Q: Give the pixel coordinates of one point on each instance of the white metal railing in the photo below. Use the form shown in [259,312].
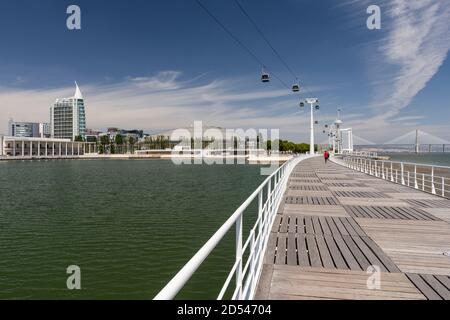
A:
[428,178]
[246,273]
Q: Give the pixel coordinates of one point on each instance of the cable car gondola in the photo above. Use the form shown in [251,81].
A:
[317,107]
[295,87]
[265,77]
[302,104]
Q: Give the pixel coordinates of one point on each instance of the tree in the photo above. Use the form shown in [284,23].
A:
[104,141]
[288,146]
[79,138]
[118,140]
[131,141]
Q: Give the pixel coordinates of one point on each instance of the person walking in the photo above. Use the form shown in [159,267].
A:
[326,156]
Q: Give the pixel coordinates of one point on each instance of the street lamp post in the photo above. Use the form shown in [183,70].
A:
[338,138]
[312,102]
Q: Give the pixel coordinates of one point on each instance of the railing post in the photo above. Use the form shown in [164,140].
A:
[396,175]
[416,185]
[252,263]
[269,195]
[239,256]
[382,170]
[392,173]
[260,215]
[407,172]
[433,188]
[375,167]
[443,186]
[423,181]
[402,173]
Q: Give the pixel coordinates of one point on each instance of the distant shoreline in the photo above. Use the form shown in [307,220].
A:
[248,159]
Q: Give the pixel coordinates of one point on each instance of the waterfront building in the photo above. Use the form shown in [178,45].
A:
[112,133]
[68,118]
[44,130]
[135,134]
[214,140]
[92,135]
[26,147]
[28,129]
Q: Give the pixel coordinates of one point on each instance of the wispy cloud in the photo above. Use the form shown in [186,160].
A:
[414,45]
[165,101]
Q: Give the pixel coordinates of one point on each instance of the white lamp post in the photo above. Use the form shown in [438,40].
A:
[312,102]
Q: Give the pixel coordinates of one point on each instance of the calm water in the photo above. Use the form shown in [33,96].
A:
[442,159]
[129,225]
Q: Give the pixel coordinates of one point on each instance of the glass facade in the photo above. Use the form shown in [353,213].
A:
[68,119]
[23,129]
[81,117]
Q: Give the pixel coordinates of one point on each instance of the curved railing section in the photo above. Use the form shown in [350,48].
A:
[249,254]
[428,178]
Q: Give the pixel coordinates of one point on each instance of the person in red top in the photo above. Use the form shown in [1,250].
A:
[326,156]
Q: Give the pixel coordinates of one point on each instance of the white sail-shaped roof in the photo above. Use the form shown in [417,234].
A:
[78,94]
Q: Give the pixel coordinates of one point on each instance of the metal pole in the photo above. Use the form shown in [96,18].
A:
[416,186]
[311,147]
[239,256]
[402,173]
[376,169]
[433,188]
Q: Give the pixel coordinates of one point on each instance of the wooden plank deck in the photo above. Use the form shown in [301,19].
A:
[336,224]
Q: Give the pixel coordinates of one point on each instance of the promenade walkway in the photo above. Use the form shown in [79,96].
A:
[335,223]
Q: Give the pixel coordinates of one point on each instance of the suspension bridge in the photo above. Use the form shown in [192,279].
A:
[419,140]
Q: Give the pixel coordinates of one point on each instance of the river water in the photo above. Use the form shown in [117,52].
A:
[442,159]
[130,225]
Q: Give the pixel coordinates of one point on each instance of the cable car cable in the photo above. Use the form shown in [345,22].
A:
[265,38]
[239,42]
[255,25]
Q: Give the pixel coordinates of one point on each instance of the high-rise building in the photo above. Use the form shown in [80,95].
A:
[28,129]
[68,118]
[44,130]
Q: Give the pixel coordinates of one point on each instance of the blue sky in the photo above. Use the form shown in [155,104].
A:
[160,64]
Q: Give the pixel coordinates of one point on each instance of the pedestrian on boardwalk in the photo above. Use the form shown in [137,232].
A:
[326,156]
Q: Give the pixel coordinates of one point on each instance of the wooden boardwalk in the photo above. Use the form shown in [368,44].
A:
[336,223]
